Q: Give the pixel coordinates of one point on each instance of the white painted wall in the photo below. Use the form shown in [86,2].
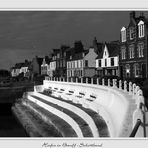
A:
[115,104]
[74,109]
[64,116]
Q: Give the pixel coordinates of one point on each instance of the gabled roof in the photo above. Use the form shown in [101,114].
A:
[113,49]
[18,65]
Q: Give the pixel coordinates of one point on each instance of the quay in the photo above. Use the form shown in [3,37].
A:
[71,108]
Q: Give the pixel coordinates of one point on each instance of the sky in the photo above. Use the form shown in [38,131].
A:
[25,34]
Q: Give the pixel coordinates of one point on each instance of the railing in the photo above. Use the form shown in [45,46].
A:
[135,129]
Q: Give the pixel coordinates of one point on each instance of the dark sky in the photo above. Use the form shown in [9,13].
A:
[24,34]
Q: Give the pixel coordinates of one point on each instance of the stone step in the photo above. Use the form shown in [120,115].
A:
[100,123]
[34,126]
[82,124]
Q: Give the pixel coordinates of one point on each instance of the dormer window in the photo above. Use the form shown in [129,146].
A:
[131,33]
[123,34]
[141,29]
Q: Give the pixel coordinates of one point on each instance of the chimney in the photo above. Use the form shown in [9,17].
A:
[132,14]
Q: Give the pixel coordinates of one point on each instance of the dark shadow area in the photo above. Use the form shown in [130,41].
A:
[9,126]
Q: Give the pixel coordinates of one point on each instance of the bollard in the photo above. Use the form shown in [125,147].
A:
[134,89]
[76,80]
[60,79]
[97,81]
[103,82]
[81,80]
[120,84]
[113,82]
[87,80]
[108,82]
[125,86]
[92,81]
[130,88]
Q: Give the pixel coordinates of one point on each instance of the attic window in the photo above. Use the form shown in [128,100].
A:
[141,29]
[123,34]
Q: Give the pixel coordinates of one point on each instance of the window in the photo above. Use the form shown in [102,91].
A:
[123,53]
[136,70]
[86,63]
[140,50]
[127,70]
[141,29]
[99,63]
[131,33]
[58,55]
[81,63]
[105,62]
[73,64]
[76,64]
[112,61]
[131,52]
[123,34]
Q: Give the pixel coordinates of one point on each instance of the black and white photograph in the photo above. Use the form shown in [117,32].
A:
[73,74]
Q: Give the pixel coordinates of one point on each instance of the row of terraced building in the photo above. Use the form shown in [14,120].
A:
[126,58]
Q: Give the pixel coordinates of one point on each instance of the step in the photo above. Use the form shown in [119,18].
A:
[82,124]
[100,123]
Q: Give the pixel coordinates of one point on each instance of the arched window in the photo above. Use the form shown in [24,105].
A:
[141,29]
[127,70]
[123,34]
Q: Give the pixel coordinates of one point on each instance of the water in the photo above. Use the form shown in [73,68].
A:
[9,126]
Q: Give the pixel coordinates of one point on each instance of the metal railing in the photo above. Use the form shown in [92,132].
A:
[135,129]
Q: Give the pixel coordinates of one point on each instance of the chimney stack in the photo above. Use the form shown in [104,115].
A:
[132,14]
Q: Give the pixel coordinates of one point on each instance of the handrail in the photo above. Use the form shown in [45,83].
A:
[135,129]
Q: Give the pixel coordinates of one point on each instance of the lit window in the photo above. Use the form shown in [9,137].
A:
[123,34]
[140,50]
[141,29]
[127,70]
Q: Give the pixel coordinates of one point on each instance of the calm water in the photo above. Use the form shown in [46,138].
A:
[9,126]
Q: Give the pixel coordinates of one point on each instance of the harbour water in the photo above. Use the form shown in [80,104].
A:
[9,126]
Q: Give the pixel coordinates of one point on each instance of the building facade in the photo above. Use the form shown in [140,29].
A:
[82,64]
[133,48]
[107,62]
